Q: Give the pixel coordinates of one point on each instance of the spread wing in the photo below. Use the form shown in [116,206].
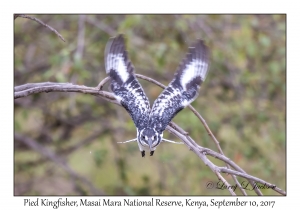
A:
[183,89]
[127,89]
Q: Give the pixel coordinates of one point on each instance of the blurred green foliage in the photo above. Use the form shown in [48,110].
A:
[243,100]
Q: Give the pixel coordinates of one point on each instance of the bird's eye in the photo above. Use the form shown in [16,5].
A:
[154,137]
[143,137]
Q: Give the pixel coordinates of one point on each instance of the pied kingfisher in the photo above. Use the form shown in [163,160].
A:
[182,90]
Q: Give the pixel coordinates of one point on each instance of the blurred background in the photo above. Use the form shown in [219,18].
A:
[243,101]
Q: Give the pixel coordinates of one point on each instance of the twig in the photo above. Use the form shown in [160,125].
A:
[102,83]
[201,152]
[206,127]
[226,183]
[40,22]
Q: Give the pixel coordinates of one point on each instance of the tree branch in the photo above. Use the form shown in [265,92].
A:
[201,152]
[40,22]
[226,183]
[207,129]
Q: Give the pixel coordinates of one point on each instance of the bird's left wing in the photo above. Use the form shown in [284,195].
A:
[183,89]
[127,89]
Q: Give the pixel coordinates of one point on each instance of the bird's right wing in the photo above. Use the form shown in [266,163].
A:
[127,89]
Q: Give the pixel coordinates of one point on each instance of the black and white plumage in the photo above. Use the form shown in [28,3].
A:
[182,90]
[125,86]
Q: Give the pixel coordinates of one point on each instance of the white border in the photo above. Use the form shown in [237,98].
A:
[8,201]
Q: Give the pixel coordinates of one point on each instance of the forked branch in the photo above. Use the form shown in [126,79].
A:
[201,152]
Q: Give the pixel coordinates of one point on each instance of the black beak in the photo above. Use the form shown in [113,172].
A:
[150,145]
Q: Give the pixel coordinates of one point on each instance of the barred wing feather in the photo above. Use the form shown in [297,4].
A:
[127,89]
[183,89]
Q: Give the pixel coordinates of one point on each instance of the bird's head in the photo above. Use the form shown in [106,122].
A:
[149,138]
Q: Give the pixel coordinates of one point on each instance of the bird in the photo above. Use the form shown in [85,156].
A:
[182,90]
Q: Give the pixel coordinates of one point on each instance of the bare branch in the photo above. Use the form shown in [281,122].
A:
[40,22]
[239,184]
[206,127]
[102,83]
[201,152]
[32,85]
[32,88]
[226,183]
